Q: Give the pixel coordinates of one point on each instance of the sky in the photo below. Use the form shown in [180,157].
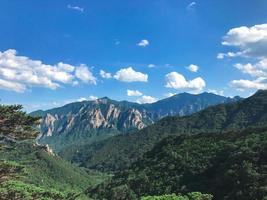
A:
[57,52]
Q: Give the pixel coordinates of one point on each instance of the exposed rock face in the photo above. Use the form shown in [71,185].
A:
[96,115]
[105,116]
[49,121]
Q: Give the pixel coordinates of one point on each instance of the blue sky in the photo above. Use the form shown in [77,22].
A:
[52,52]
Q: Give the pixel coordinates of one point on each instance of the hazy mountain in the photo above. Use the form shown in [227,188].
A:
[119,152]
[89,121]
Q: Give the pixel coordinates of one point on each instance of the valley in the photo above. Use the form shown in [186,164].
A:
[208,152]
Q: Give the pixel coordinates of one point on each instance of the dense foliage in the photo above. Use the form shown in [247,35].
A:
[229,166]
[119,152]
[15,124]
[29,171]
[189,196]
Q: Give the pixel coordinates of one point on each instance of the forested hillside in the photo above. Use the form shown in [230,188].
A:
[229,166]
[89,121]
[119,152]
[29,171]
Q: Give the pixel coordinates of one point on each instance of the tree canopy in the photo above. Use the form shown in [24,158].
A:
[16,124]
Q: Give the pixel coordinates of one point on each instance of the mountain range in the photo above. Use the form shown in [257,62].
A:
[90,121]
[216,153]
[119,152]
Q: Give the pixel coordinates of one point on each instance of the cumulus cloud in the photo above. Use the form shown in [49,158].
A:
[193,68]
[104,74]
[257,70]
[8,85]
[76,8]
[146,99]
[130,75]
[259,83]
[251,41]
[83,73]
[18,73]
[135,93]
[253,70]
[177,81]
[143,43]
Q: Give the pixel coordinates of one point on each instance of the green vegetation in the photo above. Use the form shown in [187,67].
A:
[70,126]
[189,196]
[29,171]
[121,151]
[15,125]
[220,152]
[50,171]
[20,190]
[229,166]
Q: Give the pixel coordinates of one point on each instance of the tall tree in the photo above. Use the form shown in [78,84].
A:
[16,125]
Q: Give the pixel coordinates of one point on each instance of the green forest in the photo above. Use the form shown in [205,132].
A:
[218,153]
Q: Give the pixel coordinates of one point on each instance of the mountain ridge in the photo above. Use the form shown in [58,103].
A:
[104,117]
[119,152]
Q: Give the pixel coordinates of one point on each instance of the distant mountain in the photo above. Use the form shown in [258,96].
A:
[229,166]
[90,121]
[119,152]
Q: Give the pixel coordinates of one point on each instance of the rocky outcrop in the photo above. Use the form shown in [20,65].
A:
[106,116]
[97,115]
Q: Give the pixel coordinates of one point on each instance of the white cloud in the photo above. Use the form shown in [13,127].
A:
[252,41]
[253,70]
[170,94]
[130,75]
[230,54]
[135,93]
[8,85]
[191,6]
[143,43]
[82,99]
[151,66]
[104,74]
[193,68]
[83,73]
[19,73]
[146,99]
[259,83]
[218,92]
[86,99]
[258,70]
[77,8]
[177,81]
[92,97]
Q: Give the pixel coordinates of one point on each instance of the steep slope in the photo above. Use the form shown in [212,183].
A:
[119,152]
[229,166]
[43,173]
[90,121]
